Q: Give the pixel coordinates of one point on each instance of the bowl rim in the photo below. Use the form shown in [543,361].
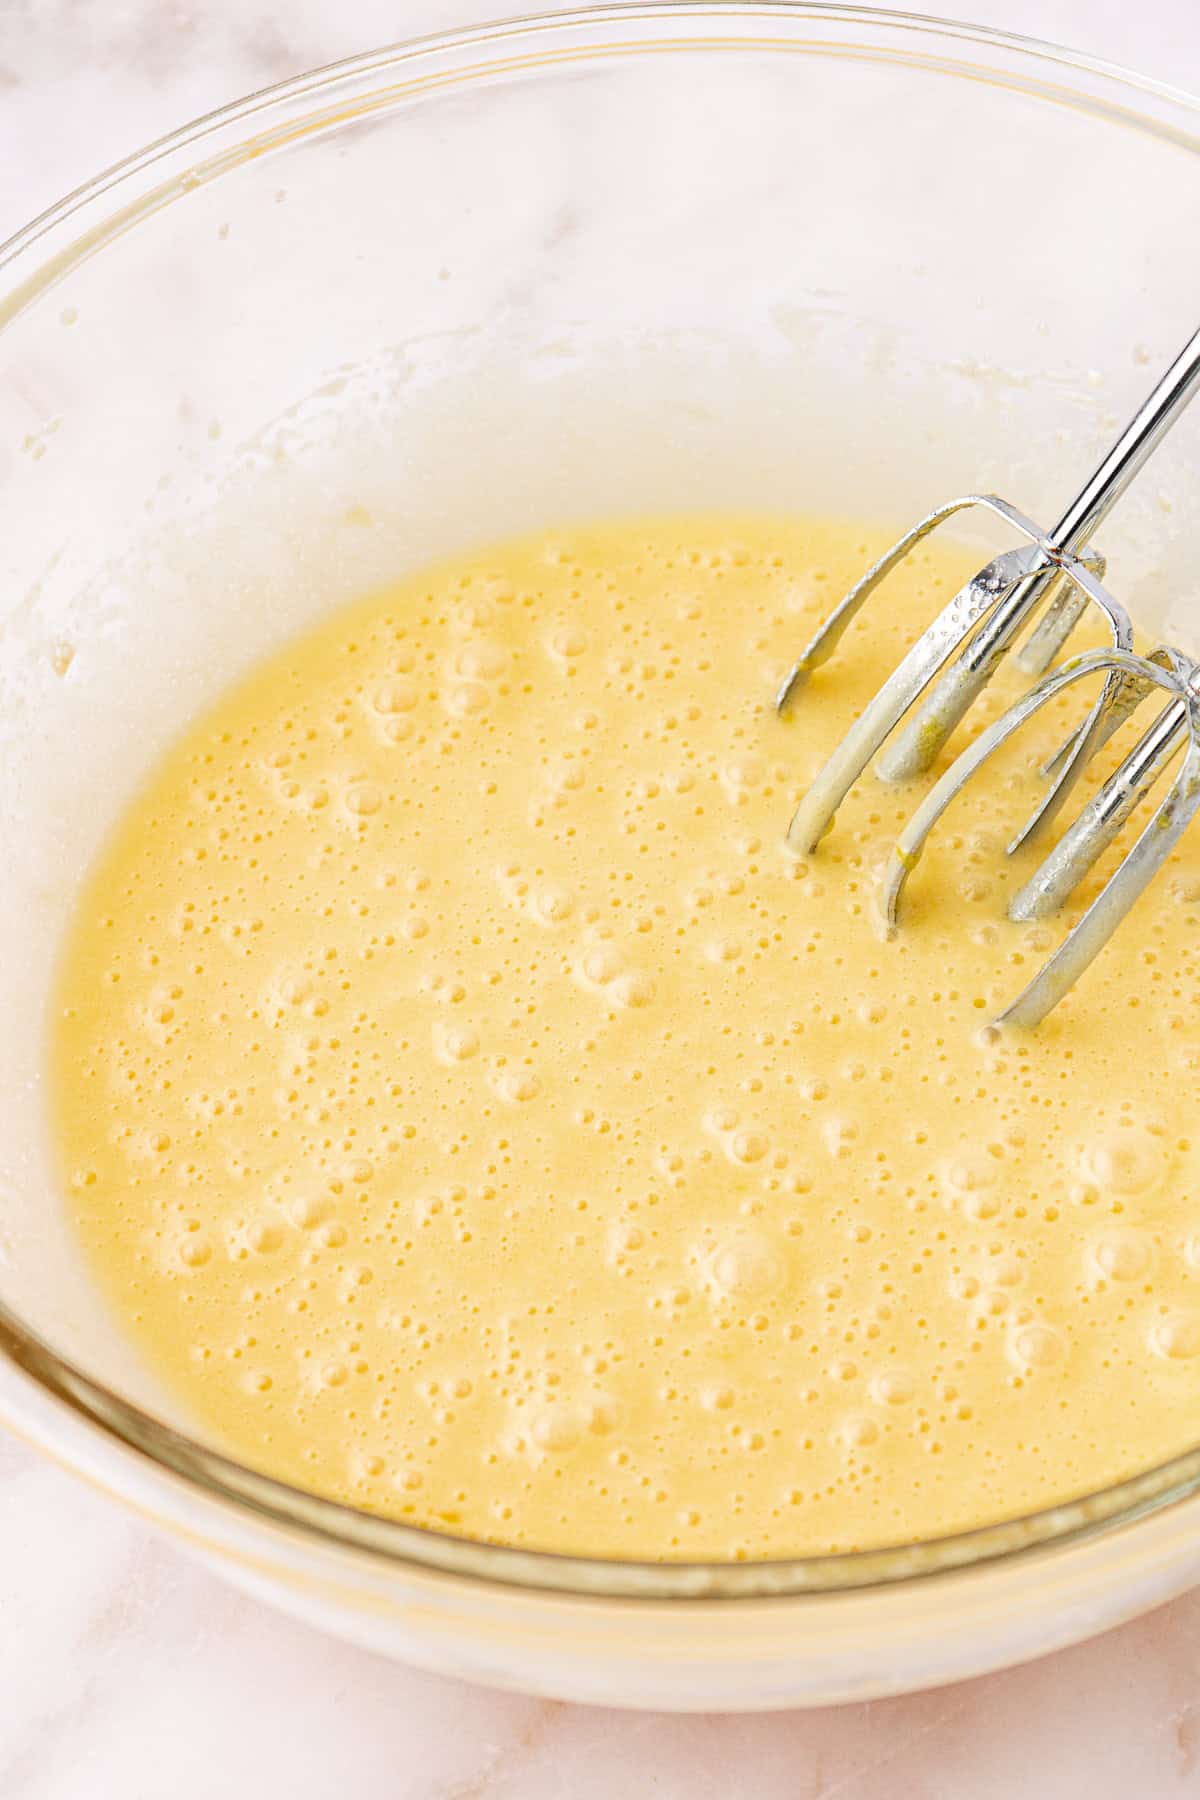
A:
[61,237]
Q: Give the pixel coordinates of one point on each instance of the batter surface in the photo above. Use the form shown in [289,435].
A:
[476,1115]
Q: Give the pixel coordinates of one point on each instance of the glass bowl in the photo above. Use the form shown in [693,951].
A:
[629,259]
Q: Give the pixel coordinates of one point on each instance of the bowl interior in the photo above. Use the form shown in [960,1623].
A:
[662,260]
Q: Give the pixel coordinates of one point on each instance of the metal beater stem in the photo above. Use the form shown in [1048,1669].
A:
[958,688]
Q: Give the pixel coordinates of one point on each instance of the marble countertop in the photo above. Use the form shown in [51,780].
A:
[145,1676]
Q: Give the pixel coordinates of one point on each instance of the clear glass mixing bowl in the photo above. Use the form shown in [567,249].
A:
[632,258]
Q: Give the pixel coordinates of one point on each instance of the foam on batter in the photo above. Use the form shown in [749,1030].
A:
[475,1114]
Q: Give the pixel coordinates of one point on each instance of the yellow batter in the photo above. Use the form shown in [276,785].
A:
[476,1115]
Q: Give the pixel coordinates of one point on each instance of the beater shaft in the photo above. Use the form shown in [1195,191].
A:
[923,737]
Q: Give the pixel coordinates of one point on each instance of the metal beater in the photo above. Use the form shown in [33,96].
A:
[971,635]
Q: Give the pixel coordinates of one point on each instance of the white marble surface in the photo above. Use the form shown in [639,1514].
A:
[126,1672]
